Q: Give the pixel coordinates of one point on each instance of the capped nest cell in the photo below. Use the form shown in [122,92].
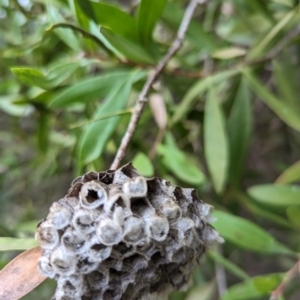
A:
[118,235]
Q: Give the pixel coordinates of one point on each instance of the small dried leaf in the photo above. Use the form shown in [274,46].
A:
[159,111]
[21,275]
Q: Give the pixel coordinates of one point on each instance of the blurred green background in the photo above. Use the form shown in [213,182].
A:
[224,118]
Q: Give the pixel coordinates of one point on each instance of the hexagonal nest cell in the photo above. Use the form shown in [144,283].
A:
[118,235]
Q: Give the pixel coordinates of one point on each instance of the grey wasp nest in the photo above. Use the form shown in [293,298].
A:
[118,235]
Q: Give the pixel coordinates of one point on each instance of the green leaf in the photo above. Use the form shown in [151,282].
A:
[247,235]
[66,35]
[149,13]
[111,17]
[178,163]
[226,263]
[10,244]
[95,136]
[130,49]
[143,164]
[55,76]
[239,131]
[197,90]
[293,214]
[253,288]
[31,77]
[256,209]
[286,82]
[285,112]
[291,174]
[273,194]
[215,142]
[88,90]
[260,48]
[229,53]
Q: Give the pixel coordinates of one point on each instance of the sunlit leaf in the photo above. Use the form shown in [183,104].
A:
[149,12]
[21,275]
[53,78]
[178,163]
[31,77]
[247,235]
[282,109]
[276,194]
[215,142]
[197,90]
[253,288]
[143,164]
[239,130]
[111,17]
[8,243]
[229,53]
[291,174]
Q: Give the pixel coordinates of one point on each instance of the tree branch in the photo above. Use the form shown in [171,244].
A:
[153,75]
[289,275]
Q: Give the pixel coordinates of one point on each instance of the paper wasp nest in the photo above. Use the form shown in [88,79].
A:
[118,235]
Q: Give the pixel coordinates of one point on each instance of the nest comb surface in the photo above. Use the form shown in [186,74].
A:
[118,235]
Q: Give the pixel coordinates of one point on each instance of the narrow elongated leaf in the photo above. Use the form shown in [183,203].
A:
[229,53]
[178,163]
[66,35]
[291,174]
[149,13]
[9,244]
[130,49]
[286,82]
[88,90]
[260,48]
[142,163]
[239,130]
[21,275]
[31,76]
[253,288]
[226,263]
[96,135]
[55,76]
[293,214]
[215,142]
[276,194]
[111,17]
[285,112]
[247,235]
[197,90]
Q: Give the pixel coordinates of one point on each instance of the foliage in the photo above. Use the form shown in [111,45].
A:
[233,110]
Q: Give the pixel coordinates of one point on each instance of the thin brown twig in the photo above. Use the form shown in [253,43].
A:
[153,75]
[289,275]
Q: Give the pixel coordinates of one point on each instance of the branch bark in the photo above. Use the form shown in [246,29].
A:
[153,75]
[288,277]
